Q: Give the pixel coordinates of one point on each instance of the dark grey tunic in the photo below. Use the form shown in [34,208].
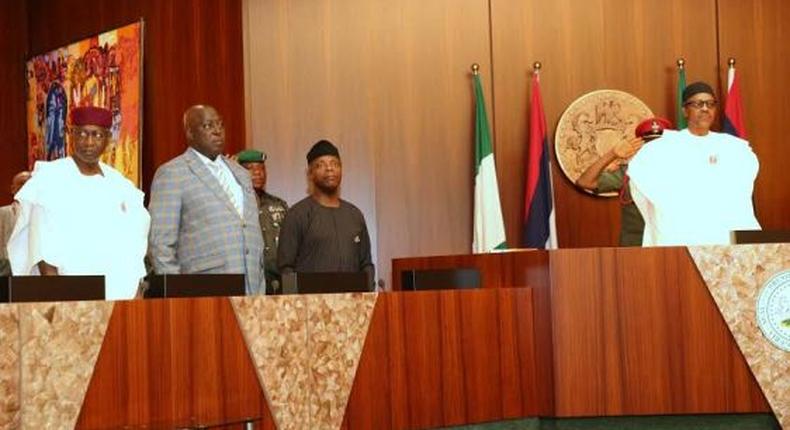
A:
[315,238]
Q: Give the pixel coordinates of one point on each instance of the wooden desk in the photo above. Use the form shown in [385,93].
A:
[632,331]
[571,333]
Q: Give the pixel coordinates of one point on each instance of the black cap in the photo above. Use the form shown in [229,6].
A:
[696,88]
[321,148]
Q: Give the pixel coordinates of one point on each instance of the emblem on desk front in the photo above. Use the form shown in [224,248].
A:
[773,310]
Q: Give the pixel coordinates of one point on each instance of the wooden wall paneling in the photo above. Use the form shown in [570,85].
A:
[389,82]
[424,164]
[172,361]
[756,35]
[193,54]
[311,72]
[13,50]
[652,337]
[586,46]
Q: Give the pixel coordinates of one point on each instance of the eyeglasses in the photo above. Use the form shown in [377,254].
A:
[83,134]
[699,104]
[213,124]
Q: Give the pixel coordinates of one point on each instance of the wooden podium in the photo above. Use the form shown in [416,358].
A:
[617,331]
[568,333]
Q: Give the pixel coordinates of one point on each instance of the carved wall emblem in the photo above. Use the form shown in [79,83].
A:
[592,125]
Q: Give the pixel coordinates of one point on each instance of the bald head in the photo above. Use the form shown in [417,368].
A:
[204,130]
[19,180]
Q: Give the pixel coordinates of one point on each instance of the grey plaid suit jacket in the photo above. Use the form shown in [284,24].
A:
[195,227]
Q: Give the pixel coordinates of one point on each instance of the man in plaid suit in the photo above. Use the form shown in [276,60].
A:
[204,216]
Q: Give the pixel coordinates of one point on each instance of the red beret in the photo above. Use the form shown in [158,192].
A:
[91,115]
[652,128]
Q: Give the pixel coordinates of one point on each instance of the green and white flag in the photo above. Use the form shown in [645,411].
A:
[489,228]
[680,118]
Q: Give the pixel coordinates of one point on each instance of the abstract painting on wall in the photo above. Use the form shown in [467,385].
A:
[105,71]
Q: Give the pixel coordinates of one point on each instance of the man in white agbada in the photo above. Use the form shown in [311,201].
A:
[694,186]
[79,216]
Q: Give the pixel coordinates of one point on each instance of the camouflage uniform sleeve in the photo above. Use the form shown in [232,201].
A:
[610,181]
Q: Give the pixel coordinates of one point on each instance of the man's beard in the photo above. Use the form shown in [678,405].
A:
[326,189]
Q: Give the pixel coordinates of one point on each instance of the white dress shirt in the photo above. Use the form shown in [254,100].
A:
[226,180]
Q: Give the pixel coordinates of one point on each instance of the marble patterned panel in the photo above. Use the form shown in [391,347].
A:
[306,350]
[59,346]
[275,330]
[735,275]
[9,367]
[337,327]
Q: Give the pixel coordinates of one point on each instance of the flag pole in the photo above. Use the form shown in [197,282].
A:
[488,233]
[539,229]
[733,121]
[680,120]
[730,73]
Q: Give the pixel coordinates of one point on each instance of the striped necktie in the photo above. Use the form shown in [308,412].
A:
[225,184]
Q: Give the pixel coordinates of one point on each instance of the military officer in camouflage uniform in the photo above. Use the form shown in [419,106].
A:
[600,178]
[271,210]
